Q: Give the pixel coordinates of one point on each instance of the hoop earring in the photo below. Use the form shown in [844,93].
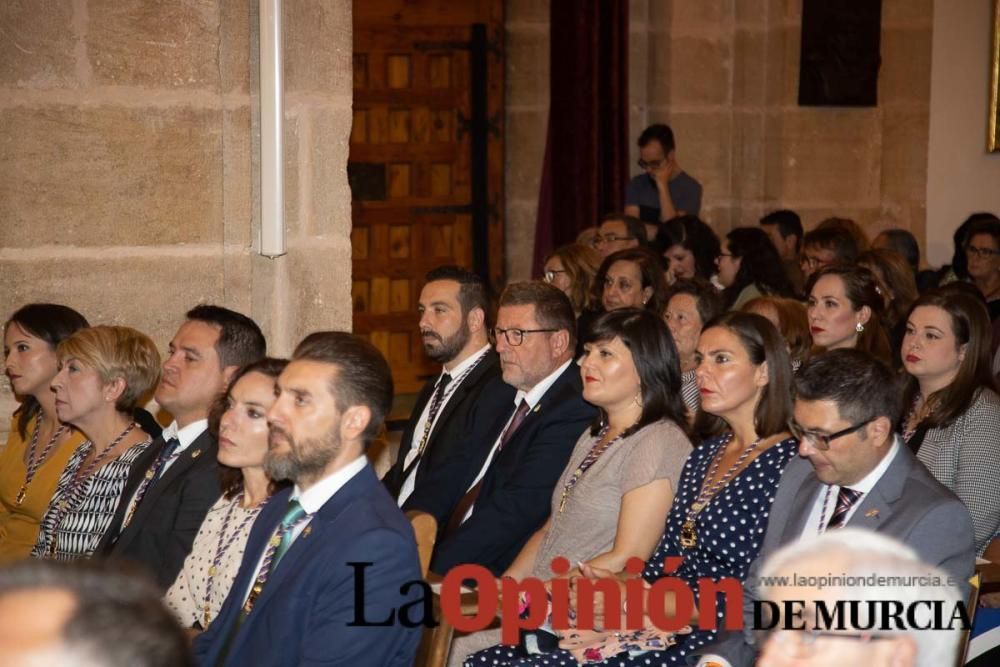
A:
[860,328]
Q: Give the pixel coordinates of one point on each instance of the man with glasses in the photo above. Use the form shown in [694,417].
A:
[664,190]
[618,232]
[507,497]
[825,246]
[853,471]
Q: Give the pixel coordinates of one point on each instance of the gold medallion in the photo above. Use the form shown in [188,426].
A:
[21,494]
[275,541]
[689,537]
[212,571]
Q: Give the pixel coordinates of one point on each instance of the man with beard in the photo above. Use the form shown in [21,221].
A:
[466,395]
[327,562]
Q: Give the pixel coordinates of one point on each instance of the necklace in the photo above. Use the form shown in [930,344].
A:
[223,546]
[689,536]
[77,481]
[34,463]
[595,453]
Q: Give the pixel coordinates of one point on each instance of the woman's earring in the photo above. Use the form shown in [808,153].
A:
[637,399]
[860,328]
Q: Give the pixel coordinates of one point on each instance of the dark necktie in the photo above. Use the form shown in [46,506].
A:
[469,499]
[846,499]
[436,400]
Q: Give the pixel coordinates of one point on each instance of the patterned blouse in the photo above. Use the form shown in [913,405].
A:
[227,525]
[91,510]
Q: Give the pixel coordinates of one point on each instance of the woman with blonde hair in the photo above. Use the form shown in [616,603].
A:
[104,371]
[572,268]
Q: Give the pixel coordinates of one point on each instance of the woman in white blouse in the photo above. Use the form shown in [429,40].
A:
[209,570]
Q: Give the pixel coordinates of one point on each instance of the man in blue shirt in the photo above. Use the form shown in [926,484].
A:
[664,191]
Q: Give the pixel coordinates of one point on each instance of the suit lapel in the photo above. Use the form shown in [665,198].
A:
[203,445]
[876,506]
[802,505]
[463,389]
[142,463]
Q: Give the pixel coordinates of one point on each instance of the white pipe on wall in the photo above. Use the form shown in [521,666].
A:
[272,163]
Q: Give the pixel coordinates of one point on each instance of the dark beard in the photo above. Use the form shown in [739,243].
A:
[449,347]
[304,460]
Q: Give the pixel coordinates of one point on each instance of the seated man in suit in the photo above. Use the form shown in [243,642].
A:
[177,480]
[517,466]
[453,324]
[333,550]
[853,471]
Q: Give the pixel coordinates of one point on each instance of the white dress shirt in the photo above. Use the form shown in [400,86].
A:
[532,397]
[457,378]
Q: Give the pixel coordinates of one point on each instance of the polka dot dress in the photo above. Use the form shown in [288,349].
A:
[730,531]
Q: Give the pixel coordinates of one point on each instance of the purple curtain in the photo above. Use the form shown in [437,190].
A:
[586,150]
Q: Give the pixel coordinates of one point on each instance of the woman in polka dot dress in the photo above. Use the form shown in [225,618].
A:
[720,512]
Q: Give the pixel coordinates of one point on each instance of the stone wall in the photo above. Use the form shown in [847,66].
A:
[128,174]
[724,75]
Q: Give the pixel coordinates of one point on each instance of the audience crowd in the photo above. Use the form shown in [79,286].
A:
[719,408]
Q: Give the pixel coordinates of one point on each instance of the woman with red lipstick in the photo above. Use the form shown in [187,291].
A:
[104,371]
[845,311]
[240,420]
[613,497]
[38,446]
[953,422]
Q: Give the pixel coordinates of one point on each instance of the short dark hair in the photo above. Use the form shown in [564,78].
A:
[692,233]
[650,268]
[707,299]
[553,309]
[231,479]
[763,344]
[119,619]
[760,264]
[240,339]
[838,240]
[362,378]
[654,355]
[788,223]
[959,263]
[862,386]
[658,132]
[53,323]
[905,243]
[636,227]
[984,226]
[472,290]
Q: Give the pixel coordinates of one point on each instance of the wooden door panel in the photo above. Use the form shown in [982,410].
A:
[410,164]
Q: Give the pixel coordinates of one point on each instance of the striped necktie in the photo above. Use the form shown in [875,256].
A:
[846,499]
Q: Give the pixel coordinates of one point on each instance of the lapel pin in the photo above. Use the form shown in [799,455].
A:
[871,513]
[195,453]
[537,408]
[308,529]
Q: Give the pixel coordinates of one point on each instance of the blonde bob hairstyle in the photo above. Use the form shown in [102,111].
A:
[116,352]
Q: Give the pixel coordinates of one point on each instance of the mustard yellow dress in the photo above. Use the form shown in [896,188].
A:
[19,523]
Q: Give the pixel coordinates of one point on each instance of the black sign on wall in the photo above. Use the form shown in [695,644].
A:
[840,53]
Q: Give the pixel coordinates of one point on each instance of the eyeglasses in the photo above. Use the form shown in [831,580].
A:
[610,238]
[550,274]
[801,643]
[810,261]
[651,164]
[981,253]
[514,336]
[821,441]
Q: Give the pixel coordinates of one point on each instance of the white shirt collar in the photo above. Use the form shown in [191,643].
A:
[185,436]
[868,482]
[466,363]
[536,393]
[319,493]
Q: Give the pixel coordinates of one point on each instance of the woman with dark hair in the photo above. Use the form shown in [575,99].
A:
[38,446]
[958,270]
[691,302]
[613,497]
[905,243]
[953,420]
[720,512]
[240,420]
[982,256]
[689,246]
[631,278]
[791,320]
[845,310]
[898,287]
[750,267]
[104,372]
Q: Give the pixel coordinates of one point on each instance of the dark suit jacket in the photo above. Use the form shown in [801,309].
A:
[907,503]
[516,493]
[170,514]
[303,614]
[468,407]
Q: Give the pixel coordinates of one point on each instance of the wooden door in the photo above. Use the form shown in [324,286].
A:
[423,194]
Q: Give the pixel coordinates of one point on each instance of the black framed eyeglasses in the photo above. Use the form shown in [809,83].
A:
[649,164]
[514,337]
[821,441]
[550,274]
[981,253]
